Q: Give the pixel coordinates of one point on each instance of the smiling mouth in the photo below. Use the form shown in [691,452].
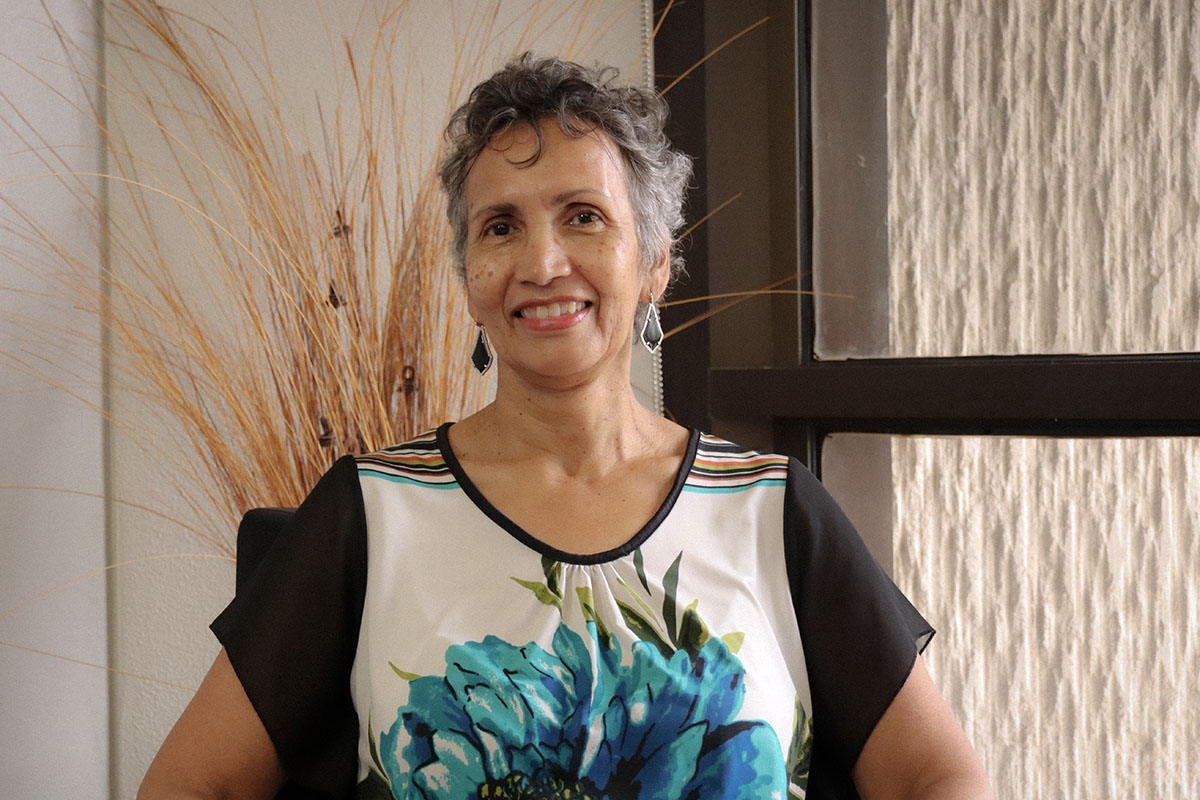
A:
[552,310]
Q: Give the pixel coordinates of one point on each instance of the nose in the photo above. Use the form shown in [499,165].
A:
[544,256]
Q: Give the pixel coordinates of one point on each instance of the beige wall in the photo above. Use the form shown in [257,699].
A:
[53,711]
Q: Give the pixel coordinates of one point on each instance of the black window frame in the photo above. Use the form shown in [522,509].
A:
[1154,394]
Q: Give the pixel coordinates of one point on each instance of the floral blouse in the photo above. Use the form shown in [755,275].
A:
[405,639]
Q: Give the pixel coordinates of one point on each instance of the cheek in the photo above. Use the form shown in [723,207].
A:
[615,256]
[480,276]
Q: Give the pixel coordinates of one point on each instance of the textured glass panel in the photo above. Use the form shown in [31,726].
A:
[1062,576]
[1042,181]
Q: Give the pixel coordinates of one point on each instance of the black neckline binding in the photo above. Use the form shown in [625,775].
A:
[549,551]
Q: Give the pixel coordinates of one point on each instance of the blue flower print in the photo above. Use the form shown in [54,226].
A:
[510,721]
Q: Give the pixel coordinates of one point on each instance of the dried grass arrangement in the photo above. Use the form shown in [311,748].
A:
[330,321]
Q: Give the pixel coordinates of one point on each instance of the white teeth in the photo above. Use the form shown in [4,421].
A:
[552,310]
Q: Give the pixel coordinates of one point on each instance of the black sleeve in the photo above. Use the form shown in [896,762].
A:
[861,635]
[292,631]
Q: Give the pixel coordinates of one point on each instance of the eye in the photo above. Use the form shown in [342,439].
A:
[498,228]
[585,217]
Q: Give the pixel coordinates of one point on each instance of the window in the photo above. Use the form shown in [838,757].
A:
[1000,381]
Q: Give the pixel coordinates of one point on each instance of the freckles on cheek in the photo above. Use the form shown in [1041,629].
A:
[480,274]
[602,250]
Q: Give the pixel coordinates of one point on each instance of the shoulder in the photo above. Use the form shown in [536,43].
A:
[722,465]
[421,445]
[421,459]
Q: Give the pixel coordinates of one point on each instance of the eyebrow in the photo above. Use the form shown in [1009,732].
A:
[504,209]
[565,197]
[501,209]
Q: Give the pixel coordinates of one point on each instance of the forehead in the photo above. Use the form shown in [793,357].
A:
[504,170]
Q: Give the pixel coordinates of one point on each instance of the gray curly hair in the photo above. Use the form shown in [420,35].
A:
[529,90]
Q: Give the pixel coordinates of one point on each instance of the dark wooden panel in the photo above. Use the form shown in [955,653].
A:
[680,44]
[1048,395]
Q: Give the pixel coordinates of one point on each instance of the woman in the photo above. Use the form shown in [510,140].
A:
[565,595]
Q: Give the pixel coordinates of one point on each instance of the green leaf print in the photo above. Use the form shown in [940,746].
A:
[542,592]
[376,785]
[799,755]
[588,603]
[639,563]
[645,630]
[670,586]
[668,635]
[693,633]
[647,612]
[734,641]
[553,572]
[375,762]
[408,676]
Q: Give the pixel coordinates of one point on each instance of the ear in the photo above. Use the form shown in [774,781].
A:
[659,276]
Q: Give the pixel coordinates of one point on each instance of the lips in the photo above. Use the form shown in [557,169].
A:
[548,310]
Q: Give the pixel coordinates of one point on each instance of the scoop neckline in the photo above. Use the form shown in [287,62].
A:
[549,551]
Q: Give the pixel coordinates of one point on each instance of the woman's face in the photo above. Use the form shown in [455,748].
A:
[553,265]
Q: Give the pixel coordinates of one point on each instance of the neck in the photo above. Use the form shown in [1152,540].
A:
[592,426]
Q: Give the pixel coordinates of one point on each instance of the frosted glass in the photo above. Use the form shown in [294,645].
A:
[1062,576]
[1042,183]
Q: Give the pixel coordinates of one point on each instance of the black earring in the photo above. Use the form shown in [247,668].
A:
[481,356]
[652,333]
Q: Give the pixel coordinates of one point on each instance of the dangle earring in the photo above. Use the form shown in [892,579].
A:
[481,356]
[652,333]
